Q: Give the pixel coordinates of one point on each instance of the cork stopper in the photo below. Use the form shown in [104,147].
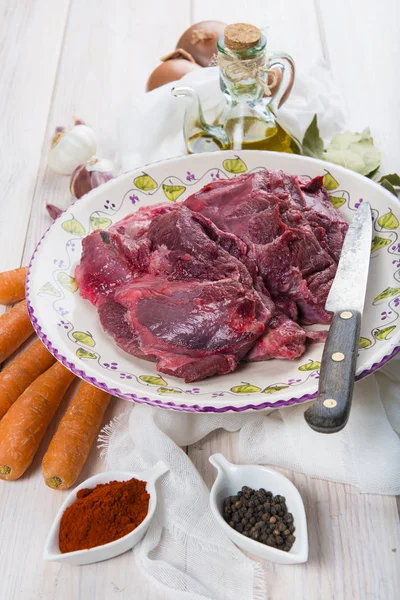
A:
[241,36]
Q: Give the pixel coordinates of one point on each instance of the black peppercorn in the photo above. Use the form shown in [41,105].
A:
[261,516]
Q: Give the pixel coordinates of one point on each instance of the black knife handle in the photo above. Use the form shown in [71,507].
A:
[330,412]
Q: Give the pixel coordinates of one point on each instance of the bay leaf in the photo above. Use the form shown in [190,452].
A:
[313,144]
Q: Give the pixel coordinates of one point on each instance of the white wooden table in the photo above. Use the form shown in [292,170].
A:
[89,57]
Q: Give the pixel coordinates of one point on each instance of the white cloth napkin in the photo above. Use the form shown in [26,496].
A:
[184,551]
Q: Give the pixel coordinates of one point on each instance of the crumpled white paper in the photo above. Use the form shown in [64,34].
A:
[184,551]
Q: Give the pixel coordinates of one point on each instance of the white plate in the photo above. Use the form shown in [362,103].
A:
[70,328]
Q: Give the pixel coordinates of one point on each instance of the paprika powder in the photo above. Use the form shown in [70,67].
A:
[103,514]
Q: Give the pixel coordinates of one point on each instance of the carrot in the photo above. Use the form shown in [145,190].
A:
[12,285]
[15,328]
[74,437]
[24,425]
[21,372]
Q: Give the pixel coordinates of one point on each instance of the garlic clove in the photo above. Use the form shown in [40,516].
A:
[100,177]
[102,165]
[90,175]
[80,183]
[54,211]
[71,147]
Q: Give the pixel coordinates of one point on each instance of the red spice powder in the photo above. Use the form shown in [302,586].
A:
[103,514]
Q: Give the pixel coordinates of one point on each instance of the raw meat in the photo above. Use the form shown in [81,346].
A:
[231,274]
[291,234]
[180,321]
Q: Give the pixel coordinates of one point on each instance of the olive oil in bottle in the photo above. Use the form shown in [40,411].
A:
[247,121]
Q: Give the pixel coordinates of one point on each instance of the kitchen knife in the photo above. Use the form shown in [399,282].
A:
[330,412]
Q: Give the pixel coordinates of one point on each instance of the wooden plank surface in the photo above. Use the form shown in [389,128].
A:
[89,58]
[32,35]
[345,531]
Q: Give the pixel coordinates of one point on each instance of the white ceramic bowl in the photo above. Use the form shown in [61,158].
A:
[231,478]
[106,551]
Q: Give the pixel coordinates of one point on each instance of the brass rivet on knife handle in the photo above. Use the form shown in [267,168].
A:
[346,314]
[337,356]
[330,403]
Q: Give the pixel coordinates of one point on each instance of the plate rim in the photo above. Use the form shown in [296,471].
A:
[194,408]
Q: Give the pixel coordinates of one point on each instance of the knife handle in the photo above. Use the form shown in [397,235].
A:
[330,412]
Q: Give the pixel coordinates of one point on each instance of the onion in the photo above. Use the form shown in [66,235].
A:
[277,83]
[175,65]
[200,40]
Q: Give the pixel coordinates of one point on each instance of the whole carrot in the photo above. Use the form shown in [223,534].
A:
[16,377]
[24,425]
[15,328]
[12,285]
[70,446]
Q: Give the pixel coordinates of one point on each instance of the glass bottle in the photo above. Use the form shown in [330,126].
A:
[248,120]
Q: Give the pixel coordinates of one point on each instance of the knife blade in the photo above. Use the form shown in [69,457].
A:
[330,412]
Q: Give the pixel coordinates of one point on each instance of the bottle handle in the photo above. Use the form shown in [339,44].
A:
[283,61]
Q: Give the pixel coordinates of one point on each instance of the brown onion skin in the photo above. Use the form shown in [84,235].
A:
[203,51]
[168,71]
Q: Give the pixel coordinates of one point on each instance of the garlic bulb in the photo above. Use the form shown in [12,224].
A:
[71,147]
[90,175]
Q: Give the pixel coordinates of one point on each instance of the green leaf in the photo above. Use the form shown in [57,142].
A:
[49,289]
[73,226]
[388,221]
[82,353]
[392,178]
[173,191]
[364,343]
[356,151]
[382,334]
[330,183]
[246,388]
[313,365]
[167,391]
[337,201]
[271,389]
[145,182]
[234,165]
[84,338]
[374,175]
[378,243]
[67,282]
[313,144]
[388,186]
[152,380]
[99,222]
[387,293]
